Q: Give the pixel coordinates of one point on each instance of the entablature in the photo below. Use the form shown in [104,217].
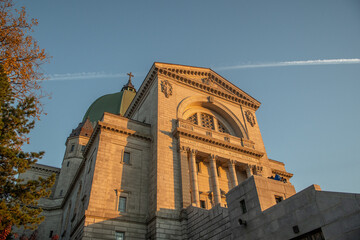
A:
[210,140]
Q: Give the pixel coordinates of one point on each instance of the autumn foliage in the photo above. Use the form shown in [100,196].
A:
[20,54]
[18,198]
[20,59]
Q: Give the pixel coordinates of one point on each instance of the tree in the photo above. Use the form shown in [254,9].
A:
[20,54]
[18,198]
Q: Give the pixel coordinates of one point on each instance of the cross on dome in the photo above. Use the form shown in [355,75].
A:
[129,85]
[130,75]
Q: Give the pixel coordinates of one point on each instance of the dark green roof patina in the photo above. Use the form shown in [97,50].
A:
[116,103]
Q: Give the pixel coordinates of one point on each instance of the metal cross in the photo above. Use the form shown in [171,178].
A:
[130,75]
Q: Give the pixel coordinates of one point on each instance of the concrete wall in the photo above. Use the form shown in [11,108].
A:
[337,215]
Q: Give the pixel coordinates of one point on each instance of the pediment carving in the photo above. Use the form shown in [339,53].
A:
[209,82]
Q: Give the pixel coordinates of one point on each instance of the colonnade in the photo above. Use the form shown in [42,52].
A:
[190,154]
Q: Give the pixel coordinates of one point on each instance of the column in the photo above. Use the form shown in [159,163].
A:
[214,179]
[232,173]
[185,181]
[249,171]
[193,177]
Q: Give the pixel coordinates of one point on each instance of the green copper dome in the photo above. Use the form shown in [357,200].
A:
[116,103]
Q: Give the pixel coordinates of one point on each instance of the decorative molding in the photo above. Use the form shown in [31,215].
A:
[41,168]
[231,94]
[207,81]
[166,88]
[219,143]
[174,70]
[114,128]
[250,118]
[282,173]
[211,99]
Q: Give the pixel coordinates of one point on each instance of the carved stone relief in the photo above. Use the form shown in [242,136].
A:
[250,118]
[166,88]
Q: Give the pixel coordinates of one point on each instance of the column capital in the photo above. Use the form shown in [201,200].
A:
[232,161]
[213,157]
[183,149]
[250,166]
[194,151]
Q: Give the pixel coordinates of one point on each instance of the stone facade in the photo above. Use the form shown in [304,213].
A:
[183,154]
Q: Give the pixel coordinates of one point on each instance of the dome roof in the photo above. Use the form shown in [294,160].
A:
[116,103]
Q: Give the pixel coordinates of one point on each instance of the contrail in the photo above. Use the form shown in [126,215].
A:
[294,63]
[83,75]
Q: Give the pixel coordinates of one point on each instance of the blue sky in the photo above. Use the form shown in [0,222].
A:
[310,110]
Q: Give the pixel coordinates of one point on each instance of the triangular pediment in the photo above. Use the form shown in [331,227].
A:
[207,79]
[203,79]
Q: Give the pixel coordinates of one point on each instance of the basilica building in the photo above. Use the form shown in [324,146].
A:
[182,157]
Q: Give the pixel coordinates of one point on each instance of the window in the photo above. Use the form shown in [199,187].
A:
[193,119]
[222,128]
[119,235]
[82,148]
[126,158]
[122,204]
[243,206]
[202,204]
[72,148]
[68,163]
[198,167]
[61,192]
[207,121]
[278,199]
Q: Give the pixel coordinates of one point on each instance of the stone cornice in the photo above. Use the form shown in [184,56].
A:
[124,131]
[144,88]
[228,92]
[282,173]
[114,128]
[216,142]
[44,168]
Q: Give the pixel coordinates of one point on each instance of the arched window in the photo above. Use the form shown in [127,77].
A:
[208,121]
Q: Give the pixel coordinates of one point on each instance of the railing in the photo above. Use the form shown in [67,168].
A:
[181,123]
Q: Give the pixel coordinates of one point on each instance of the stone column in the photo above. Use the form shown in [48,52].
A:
[249,171]
[214,179]
[185,181]
[193,177]
[232,173]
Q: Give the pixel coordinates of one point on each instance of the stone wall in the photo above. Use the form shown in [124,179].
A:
[208,224]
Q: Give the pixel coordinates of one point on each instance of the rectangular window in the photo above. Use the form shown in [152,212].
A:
[119,235]
[126,158]
[72,148]
[68,163]
[278,199]
[82,148]
[198,167]
[243,206]
[122,204]
[202,204]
